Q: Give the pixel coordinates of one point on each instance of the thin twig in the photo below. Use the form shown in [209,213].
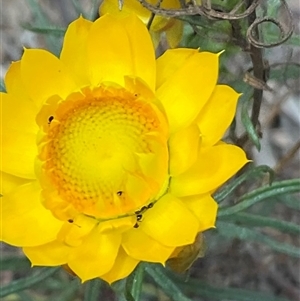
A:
[286,29]
[200,10]
[259,73]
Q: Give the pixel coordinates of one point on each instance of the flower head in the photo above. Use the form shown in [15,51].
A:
[173,28]
[110,157]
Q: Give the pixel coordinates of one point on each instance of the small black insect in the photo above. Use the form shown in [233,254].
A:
[119,193]
[150,206]
[141,210]
[70,221]
[139,214]
[50,119]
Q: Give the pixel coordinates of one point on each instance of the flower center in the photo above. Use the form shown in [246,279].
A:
[101,151]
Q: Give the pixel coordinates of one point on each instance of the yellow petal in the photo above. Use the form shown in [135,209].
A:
[18,135]
[118,47]
[214,166]
[170,62]
[51,254]
[170,222]
[72,234]
[18,153]
[74,51]
[217,114]
[141,246]
[123,266]
[22,118]
[186,91]
[45,75]
[13,81]
[9,182]
[183,148]
[174,34]
[128,7]
[25,222]
[205,208]
[96,255]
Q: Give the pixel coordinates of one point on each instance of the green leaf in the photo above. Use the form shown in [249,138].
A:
[254,220]
[94,11]
[262,193]
[234,231]
[200,288]
[283,71]
[246,120]
[78,8]
[92,290]
[134,283]
[14,263]
[209,36]
[119,288]
[51,30]
[69,292]
[290,201]
[252,173]
[169,286]
[19,285]
[25,297]
[42,20]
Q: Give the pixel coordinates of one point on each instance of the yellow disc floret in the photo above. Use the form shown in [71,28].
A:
[91,155]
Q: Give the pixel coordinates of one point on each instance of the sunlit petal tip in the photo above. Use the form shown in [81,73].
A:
[214,166]
[221,52]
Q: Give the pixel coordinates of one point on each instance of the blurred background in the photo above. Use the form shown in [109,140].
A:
[230,261]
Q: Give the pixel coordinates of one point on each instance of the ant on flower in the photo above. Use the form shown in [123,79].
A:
[139,214]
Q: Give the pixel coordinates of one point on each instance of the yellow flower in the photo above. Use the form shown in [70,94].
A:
[173,28]
[110,157]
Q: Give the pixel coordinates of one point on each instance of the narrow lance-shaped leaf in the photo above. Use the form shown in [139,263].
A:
[262,193]
[169,286]
[92,290]
[262,221]
[209,292]
[234,231]
[134,283]
[27,282]
[252,173]
[249,127]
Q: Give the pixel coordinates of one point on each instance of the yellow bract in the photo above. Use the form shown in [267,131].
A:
[173,28]
[111,156]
